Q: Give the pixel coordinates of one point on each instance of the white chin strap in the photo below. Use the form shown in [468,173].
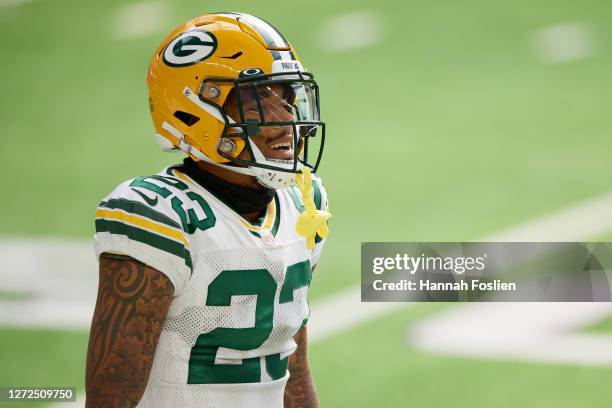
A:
[273,179]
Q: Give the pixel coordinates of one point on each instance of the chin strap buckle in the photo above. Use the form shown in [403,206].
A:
[311,222]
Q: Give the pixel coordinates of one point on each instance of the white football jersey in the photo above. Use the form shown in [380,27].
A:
[240,287]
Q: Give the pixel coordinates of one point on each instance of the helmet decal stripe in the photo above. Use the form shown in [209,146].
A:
[271,35]
[282,55]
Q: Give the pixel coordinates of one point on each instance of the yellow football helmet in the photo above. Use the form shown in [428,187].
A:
[219,57]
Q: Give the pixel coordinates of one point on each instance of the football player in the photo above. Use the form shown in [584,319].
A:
[204,266]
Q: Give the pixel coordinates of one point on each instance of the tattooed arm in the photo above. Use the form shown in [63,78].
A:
[132,303]
[300,390]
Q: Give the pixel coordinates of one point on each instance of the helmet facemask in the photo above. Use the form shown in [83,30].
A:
[272,124]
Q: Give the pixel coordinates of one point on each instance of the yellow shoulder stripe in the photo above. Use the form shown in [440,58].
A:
[183,177]
[142,222]
[270,216]
[268,219]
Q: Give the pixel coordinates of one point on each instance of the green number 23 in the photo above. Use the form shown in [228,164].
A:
[202,367]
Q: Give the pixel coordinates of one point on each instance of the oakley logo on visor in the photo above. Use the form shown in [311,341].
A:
[190,48]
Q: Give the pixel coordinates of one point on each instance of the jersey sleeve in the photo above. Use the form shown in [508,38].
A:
[321,202]
[144,226]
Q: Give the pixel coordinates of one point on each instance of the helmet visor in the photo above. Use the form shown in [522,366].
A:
[274,102]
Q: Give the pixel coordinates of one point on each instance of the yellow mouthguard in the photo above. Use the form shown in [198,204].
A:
[312,221]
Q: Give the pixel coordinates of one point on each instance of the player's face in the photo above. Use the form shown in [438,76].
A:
[275,142]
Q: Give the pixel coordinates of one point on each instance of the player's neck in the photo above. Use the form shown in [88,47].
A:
[229,176]
[249,198]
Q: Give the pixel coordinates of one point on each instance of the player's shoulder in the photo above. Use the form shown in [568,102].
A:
[144,193]
[136,220]
[137,207]
[168,196]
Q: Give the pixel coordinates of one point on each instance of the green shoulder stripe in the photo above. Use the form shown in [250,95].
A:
[146,237]
[317,194]
[296,199]
[278,215]
[317,200]
[135,207]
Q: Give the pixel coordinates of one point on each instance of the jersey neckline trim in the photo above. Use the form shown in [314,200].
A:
[267,223]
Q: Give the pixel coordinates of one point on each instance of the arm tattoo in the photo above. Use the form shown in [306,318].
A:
[300,390]
[132,303]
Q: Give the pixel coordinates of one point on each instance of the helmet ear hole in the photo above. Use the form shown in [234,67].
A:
[186,118]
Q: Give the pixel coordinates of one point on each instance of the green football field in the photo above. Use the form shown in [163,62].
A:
[453,123]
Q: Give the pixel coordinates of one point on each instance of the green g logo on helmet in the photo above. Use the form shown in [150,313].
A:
[190,48]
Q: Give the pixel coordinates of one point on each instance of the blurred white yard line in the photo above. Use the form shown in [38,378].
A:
[540,332]
[563,42]
[584,221]
[350,31]
[135,20]
[58,280]
[344,311]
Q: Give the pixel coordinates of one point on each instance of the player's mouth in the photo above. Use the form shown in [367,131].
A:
[280,148]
